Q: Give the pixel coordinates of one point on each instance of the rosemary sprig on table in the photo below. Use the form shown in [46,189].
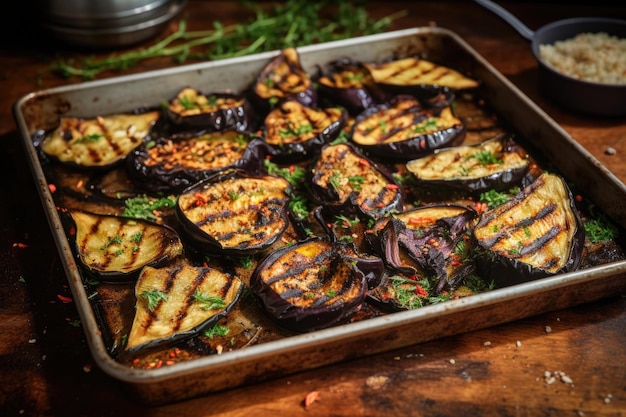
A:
[291,23]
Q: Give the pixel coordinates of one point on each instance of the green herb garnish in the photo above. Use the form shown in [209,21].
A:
[144,207]
[153,297]
[208,302]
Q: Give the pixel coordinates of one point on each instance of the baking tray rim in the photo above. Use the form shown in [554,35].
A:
[139,376]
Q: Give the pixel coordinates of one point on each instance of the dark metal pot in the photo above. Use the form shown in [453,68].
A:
[574,94]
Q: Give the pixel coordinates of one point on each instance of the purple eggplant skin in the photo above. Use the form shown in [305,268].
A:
[332,183]
[458,168]
[429,95]
[297,132]
[234,213]
[402,129]
[212,112]
[282,78]
[311,285]
[154,173]
[429,236]
[515,240]
[348,83]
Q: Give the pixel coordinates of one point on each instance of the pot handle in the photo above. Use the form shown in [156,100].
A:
[508,17]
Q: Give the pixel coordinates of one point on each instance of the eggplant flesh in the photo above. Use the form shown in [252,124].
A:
[537,234]
[284,78]
[178,302]
[414,71]
[98,142]
[311,285]
[235,213]
[298,130]
[115,249]
[344,179]
[497,164]
[214,112]
[403,129]
[172,164]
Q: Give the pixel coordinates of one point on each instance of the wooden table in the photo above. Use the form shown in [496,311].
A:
[46,368]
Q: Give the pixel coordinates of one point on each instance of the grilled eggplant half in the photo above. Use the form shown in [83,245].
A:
[115,249]
[536,234]
[496,164]
[402,129]
[347,182]
[433,239]
[349,84]
[213,112]
[234,213]
[178,302]
[415,71]
[310,285]
[283,77]
[297,131]
[173,164]
[99,142]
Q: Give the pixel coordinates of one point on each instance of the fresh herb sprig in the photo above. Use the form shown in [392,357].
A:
[290,24]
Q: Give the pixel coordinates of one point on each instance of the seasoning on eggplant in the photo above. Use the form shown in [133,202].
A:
[536,234]
[414,71]
[283,77]
[310,285]
[348,83]
[297,131]
[496,164]
[114,248]
[234,213]
[172,164]
[178,302]
[346,182]
[217,111]
[435,238]
[99,142]
[403,129]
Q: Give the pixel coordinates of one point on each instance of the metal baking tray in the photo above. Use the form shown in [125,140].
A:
[39,111]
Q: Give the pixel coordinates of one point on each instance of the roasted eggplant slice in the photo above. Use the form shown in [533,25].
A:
[435,238]
[213,112]
[347,182]
[402,129]
[415,71]
[178,302]
[349,84]
[234,213]
[100,142]
[115,249]
[311,285]
[537,234]
[297,131]
[284,77]
[172,164]
[496,164]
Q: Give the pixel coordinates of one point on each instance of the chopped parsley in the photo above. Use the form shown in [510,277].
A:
[144,207]
[208,302]
[153,297]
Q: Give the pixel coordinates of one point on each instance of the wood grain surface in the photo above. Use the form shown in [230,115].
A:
[568,362]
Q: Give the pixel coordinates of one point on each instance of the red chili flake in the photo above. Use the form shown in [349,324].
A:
[79,184]
[72,231]
[159,363]
[135,361]
[20,245]
[200,199]
[392,187]
[578,198]
[292,168]
[87,367]
[420,291]
[310,398]
[64,298]
[52,188]
[170,363]
[364,162]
